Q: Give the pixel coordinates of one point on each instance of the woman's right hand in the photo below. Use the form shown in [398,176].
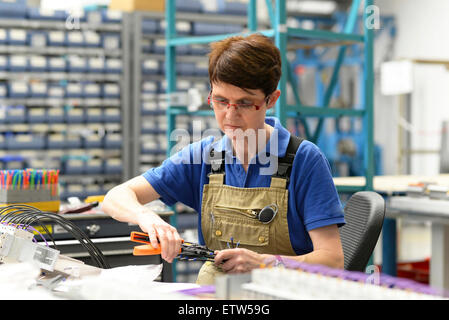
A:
[161,234]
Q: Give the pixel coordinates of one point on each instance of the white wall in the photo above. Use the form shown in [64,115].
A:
[421,34]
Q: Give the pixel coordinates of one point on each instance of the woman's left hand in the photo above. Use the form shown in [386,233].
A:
[238,260]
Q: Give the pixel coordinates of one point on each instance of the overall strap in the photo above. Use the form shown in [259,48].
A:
[281,178]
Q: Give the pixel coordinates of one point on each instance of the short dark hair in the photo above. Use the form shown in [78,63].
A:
[251,62]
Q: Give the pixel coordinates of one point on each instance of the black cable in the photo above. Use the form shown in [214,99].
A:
[79,235]
[36,215]
[27,215]
[75,229]
[25,210]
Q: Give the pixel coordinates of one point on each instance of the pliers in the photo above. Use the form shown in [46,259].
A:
[189,251]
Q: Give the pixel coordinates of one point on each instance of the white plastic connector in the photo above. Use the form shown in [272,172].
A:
[16,245]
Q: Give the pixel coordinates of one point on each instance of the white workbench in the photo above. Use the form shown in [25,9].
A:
[437,212]
[391,184]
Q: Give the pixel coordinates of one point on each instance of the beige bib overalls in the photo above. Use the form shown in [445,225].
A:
[231,212]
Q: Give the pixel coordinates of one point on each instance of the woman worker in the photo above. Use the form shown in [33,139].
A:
[254,186]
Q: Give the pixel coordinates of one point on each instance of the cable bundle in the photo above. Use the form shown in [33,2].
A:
[24,216]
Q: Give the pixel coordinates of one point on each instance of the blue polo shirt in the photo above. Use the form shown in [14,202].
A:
[313,199]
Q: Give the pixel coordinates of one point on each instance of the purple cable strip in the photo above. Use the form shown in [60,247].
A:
[29,228]
[384,280]
[200,290]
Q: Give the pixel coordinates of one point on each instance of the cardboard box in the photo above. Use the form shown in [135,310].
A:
[137,5]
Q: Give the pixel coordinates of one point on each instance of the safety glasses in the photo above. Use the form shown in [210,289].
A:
[222,105]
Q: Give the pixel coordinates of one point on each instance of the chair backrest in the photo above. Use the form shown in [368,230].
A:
[364,215]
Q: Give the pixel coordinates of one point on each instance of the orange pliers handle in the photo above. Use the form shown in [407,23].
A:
[147,249]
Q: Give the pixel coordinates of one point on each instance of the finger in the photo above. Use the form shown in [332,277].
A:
[163,243]
[153,238]
[178,242]
[224,255]
[171,246]
[233,265]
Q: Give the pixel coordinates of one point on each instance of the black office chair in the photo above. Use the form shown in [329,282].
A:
[364,215]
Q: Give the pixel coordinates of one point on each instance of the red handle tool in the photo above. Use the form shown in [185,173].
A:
[147,249]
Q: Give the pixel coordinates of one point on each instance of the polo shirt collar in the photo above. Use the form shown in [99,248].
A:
[283,138]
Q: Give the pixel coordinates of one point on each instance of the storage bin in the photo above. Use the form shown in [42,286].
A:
[111,115]
[204,28]
[25,141]
[113,166]
[15,114]
[37,64]
[111,16]
[74,90]
[150,66]
[13,9]
[93,141]
[189,6]
[18,89]
[37,39]
[56,141]
[55,115]
[76,64]
[198,49]
[111,41]
[150,26]
[18,63]
[56,38]
[17,37]
[233,7]
[159,46]
[74,166]
[74,39]
[150,86]
[113,141]
[111,91]
[74,115]
[38,90]
[202,68]
[56,91]
[37,115]
[92,39]
[56,64]
[91,90]
[73,141]
[95,64]
[46,14]
[94,115]
[113,66]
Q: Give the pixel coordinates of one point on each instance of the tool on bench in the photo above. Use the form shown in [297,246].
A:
[81,208]
[188,251]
